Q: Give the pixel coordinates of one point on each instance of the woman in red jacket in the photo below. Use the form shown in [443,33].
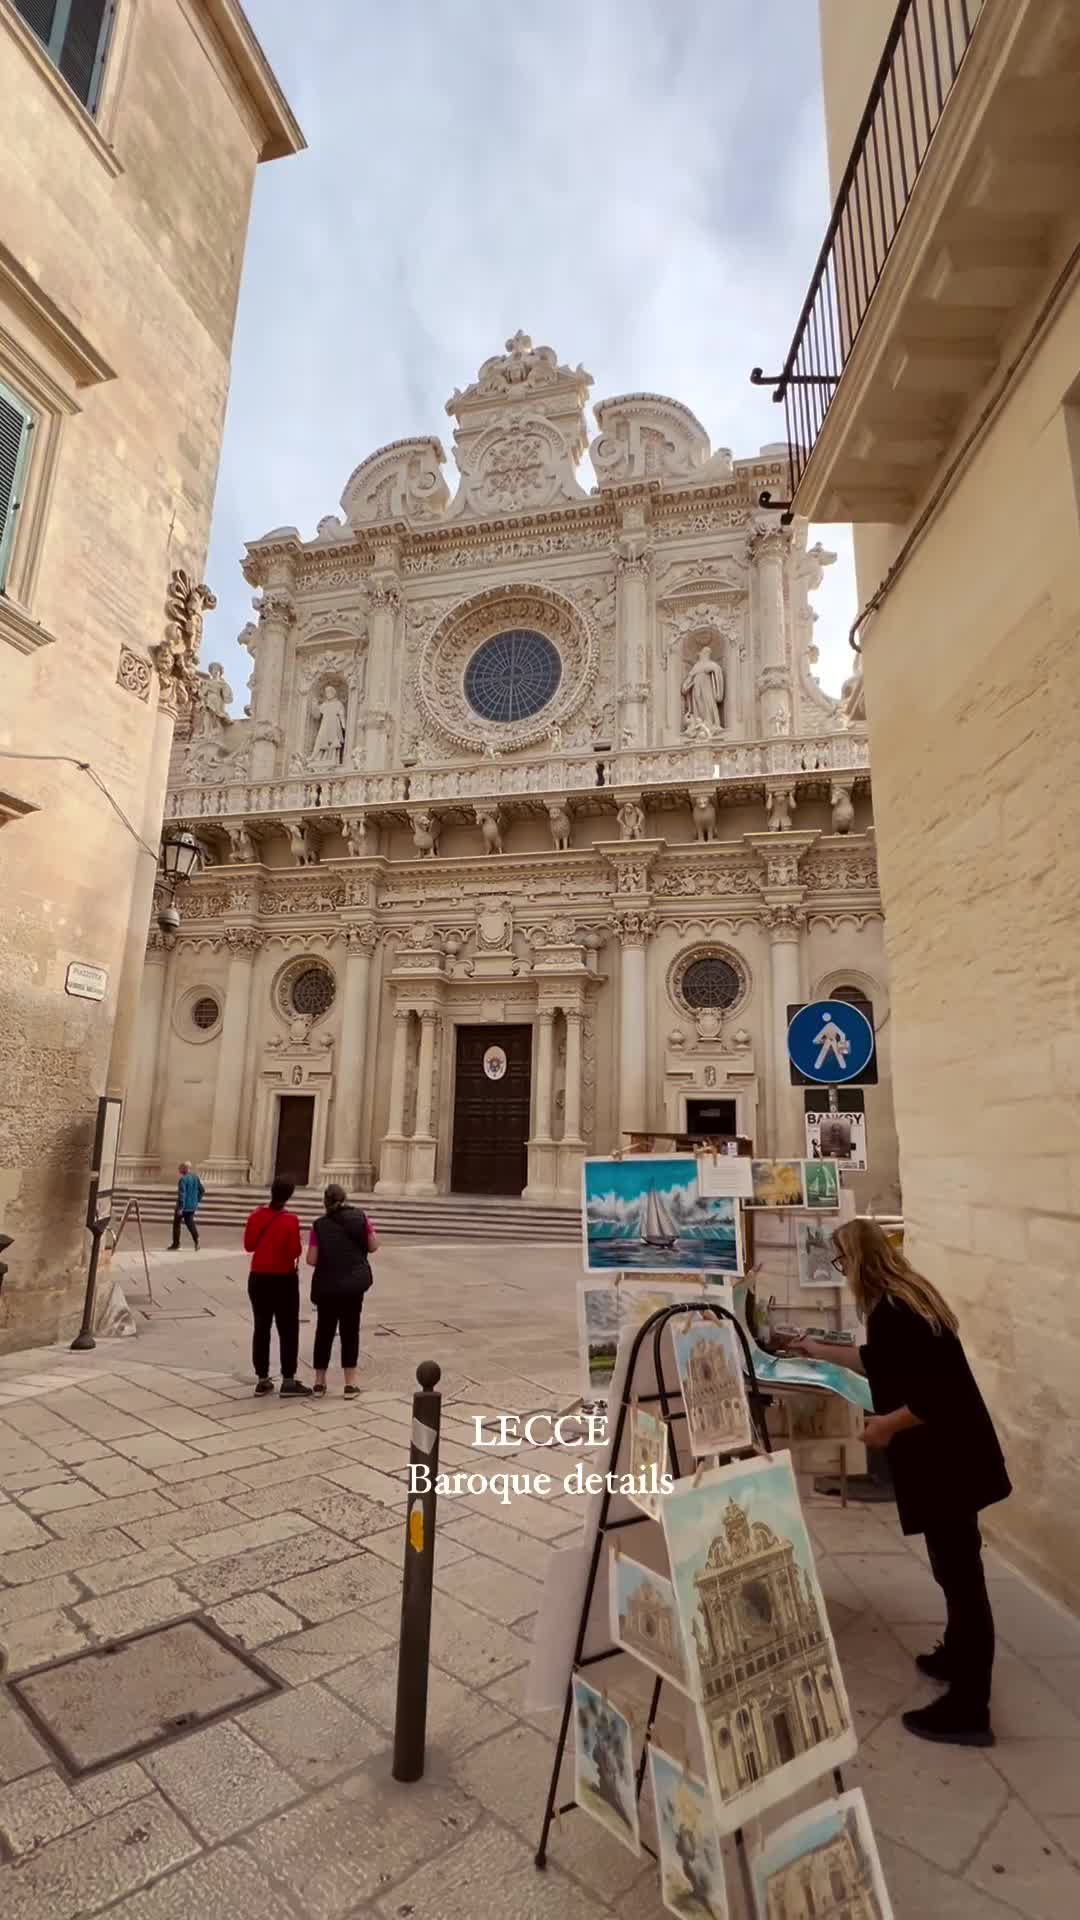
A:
[272,1237]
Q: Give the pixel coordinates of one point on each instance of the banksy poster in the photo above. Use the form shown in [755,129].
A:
[647,1213]
[837,1136]
[709,1358]
[823,1861]
[645,1618]
[604,1779]
[774,1712]
[691,1867]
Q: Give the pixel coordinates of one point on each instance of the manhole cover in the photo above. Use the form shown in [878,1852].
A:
[117,1701]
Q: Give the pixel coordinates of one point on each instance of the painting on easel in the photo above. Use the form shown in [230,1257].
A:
[604,1779]
[691,1869]
[823,1861]
[647,1212]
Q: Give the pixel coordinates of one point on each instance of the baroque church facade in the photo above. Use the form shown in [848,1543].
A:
[536,824]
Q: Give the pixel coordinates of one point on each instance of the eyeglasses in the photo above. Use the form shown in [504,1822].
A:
[838,1262]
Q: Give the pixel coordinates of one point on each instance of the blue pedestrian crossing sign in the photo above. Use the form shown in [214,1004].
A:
[830,1042]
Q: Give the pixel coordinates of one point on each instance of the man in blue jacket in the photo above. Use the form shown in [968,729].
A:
[189,1192]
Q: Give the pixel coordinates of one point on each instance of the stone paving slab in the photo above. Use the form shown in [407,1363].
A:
[144,1478]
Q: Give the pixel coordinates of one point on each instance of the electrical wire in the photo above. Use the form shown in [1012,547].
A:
[68,760]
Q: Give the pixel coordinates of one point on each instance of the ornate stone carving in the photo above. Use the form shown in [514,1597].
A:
[522,369]
[840,802]
[837,875]
[439,685]
[631,818]
[558,814]
[494,926]
[402,481]
[851,711]
[487,819]
[780,804]
[134,673]
[703,882]
[361,939]
[785,921]
[242,846]
[212,699]
[703,694]
[305,841]
[703,815]
[645,436]
[354,833]
[176,657]
[631,878]
[732,980]
[244,941]
[634,929]
[426,828]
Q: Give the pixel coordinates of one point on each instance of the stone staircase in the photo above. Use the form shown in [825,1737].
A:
[444,1217]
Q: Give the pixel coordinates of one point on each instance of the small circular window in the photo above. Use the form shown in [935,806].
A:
[711,983]
[513,675]
[312,991]
[205,1013]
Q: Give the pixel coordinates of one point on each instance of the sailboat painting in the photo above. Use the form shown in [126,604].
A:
[646,1212]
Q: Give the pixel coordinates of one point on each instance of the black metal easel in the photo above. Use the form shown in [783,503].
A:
[758,1403]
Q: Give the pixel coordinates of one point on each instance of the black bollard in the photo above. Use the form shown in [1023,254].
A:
[410,1722]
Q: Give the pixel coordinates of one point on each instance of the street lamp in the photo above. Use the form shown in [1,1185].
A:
[181,856]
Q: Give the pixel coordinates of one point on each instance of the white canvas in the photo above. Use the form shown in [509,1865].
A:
[709,1357]
[691,1867]
[726,1175]
[605,1783]
[775,1713]
[830,1850]
[644,1617]
[645,1212]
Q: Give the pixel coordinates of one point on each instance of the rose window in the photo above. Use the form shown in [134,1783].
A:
[312,991]
[513,676]
[710,983]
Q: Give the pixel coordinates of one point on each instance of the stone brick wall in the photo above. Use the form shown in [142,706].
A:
[133,230]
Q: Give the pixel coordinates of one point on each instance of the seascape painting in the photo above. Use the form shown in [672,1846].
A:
[691,1869]
[605,1783]
[645,1619]
[824,1861]
[774,1713]
[647,1212]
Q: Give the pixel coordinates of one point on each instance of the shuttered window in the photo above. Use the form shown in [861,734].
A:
[75,35]
[16,427]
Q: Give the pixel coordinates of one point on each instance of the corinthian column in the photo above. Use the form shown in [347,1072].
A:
[572,1110]
[544,1056]
[224,1164]
[633,930]
[276,616]
[632,638]
[767,548]
[350,1080]
[385,602]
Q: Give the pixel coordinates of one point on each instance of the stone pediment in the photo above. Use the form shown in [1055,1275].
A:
[402,481]
[646,436]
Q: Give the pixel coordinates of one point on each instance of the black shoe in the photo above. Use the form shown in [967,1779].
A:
[935,1665]
[951,1722]
[173,1246]
[352,1393]
[294,1387]
[264,1386]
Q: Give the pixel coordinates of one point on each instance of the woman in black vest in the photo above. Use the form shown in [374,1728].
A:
[944,1456]
[338,1250]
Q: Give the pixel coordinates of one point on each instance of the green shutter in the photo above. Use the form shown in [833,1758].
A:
[75,35]
[16,426]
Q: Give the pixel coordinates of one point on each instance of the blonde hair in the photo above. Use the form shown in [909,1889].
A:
[875,1270]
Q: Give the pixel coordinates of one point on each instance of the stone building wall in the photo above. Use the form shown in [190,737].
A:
[121,240]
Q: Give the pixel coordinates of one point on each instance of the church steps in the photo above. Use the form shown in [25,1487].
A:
[443,1217]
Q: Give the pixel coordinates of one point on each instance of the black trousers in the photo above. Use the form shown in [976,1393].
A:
[955,1550]
[341,1317]
[275,1299]
[188,1220]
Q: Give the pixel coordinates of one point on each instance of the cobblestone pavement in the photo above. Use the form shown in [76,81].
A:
[143,1482]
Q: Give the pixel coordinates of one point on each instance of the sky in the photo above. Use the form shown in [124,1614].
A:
[640,184]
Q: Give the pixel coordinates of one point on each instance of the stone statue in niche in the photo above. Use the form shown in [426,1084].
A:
[703,693]
[780,805]
[425,834]
[631,818]
[487,819]
[213,718]
[559,816]
[843,812]
[329,747]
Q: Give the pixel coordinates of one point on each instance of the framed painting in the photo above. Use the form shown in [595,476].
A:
[823,1861]
[647,1213]
[605,1783]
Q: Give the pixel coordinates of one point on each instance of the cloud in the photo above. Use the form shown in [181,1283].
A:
[640,185]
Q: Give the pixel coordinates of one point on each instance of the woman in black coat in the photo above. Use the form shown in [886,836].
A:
[944,1456]
[338,1249]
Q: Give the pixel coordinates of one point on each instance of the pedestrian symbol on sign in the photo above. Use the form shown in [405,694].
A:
[832,1039]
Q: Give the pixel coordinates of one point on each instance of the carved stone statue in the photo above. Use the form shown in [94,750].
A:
[487,819]
[176,657]
[559,816]
[631,819]
[426,835]
[780,805]
[703,813]
[703,691]
[241,845]
[852,708]
[354,834]
[843,812]
[330,737]
[212,717]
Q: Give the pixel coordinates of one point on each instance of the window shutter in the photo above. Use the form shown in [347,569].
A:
[83,53]
[16,425]
[40,16]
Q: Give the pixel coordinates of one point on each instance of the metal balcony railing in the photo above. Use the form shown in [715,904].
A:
[923,54]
